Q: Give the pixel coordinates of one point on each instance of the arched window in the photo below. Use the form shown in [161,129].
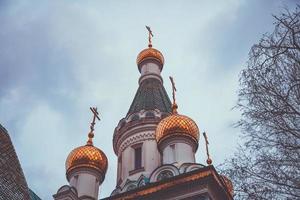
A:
[120,167]
[135,118]
[131,187]
[164,175]
[138,157]
[122,124]
[150,115]
[173,152]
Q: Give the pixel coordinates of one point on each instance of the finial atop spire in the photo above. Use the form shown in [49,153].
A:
[150,36]
[209,160]
[174,105]
[91,133]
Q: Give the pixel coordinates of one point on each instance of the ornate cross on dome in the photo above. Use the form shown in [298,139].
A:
[150,36]
[91,133]
[208,161]
[174,106]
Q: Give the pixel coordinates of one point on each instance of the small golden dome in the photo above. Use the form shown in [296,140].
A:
[87,156]
[177,124]
[150,53]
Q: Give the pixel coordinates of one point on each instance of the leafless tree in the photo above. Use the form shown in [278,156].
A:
[267,165]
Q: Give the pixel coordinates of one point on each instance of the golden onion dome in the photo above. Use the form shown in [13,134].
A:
[177,124]
[150,53]
[87,156]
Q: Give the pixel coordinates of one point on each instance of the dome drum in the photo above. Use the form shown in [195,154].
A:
[150,75]
[178,138]
[147,120]
[85,170]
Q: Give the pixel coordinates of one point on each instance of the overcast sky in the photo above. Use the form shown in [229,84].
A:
[58,58]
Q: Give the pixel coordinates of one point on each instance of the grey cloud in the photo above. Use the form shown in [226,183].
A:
[57,58]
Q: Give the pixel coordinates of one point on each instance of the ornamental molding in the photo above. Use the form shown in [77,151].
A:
[87,170]
[178,138]
[136,122]
[131,184]
[150,75]
[153,177]
[164,168]
[187,167]
[135,139]
[140,129]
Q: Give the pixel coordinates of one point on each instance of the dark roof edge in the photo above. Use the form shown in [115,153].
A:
[174,178]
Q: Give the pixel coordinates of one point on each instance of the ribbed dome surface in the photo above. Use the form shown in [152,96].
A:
[150,95]
[177,124]
[87,156]
[150,53]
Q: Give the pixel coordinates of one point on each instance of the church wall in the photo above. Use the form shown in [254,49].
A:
[142,135]
[150,68]
[150,160]
[178,152]
[127,162]
[86,184]
[151,156]
[184,153]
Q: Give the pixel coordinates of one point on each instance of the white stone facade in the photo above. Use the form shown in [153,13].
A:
[85,184]
[178,150]
[150,70]
[141,135]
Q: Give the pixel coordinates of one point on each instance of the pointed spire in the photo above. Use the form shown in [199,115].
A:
[91,133]
[209,160]
[150,36]
[174,105]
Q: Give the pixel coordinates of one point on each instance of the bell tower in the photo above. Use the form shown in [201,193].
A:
[134,137]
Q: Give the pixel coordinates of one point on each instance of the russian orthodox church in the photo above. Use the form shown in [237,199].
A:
[155,146]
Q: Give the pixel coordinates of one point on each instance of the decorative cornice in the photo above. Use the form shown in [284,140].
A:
[176,137]
[134,139]
[153,176]
[66,192]
[207,174]
[150,75]
[133,128]
[88,170]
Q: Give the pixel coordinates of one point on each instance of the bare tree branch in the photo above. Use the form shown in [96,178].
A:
[267,165]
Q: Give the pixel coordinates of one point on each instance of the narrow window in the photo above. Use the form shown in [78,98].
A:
[138,158]
[75,181]
[119,167]
[173,152]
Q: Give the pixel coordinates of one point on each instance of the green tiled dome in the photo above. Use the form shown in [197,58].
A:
[150,95]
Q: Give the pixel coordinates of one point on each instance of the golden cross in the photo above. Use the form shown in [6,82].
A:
[173,88]
[91,133]
[208,161]
[150,36]
[96,115]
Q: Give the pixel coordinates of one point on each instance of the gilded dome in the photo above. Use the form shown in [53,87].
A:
[150,53]
[177,124]
[87,156]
